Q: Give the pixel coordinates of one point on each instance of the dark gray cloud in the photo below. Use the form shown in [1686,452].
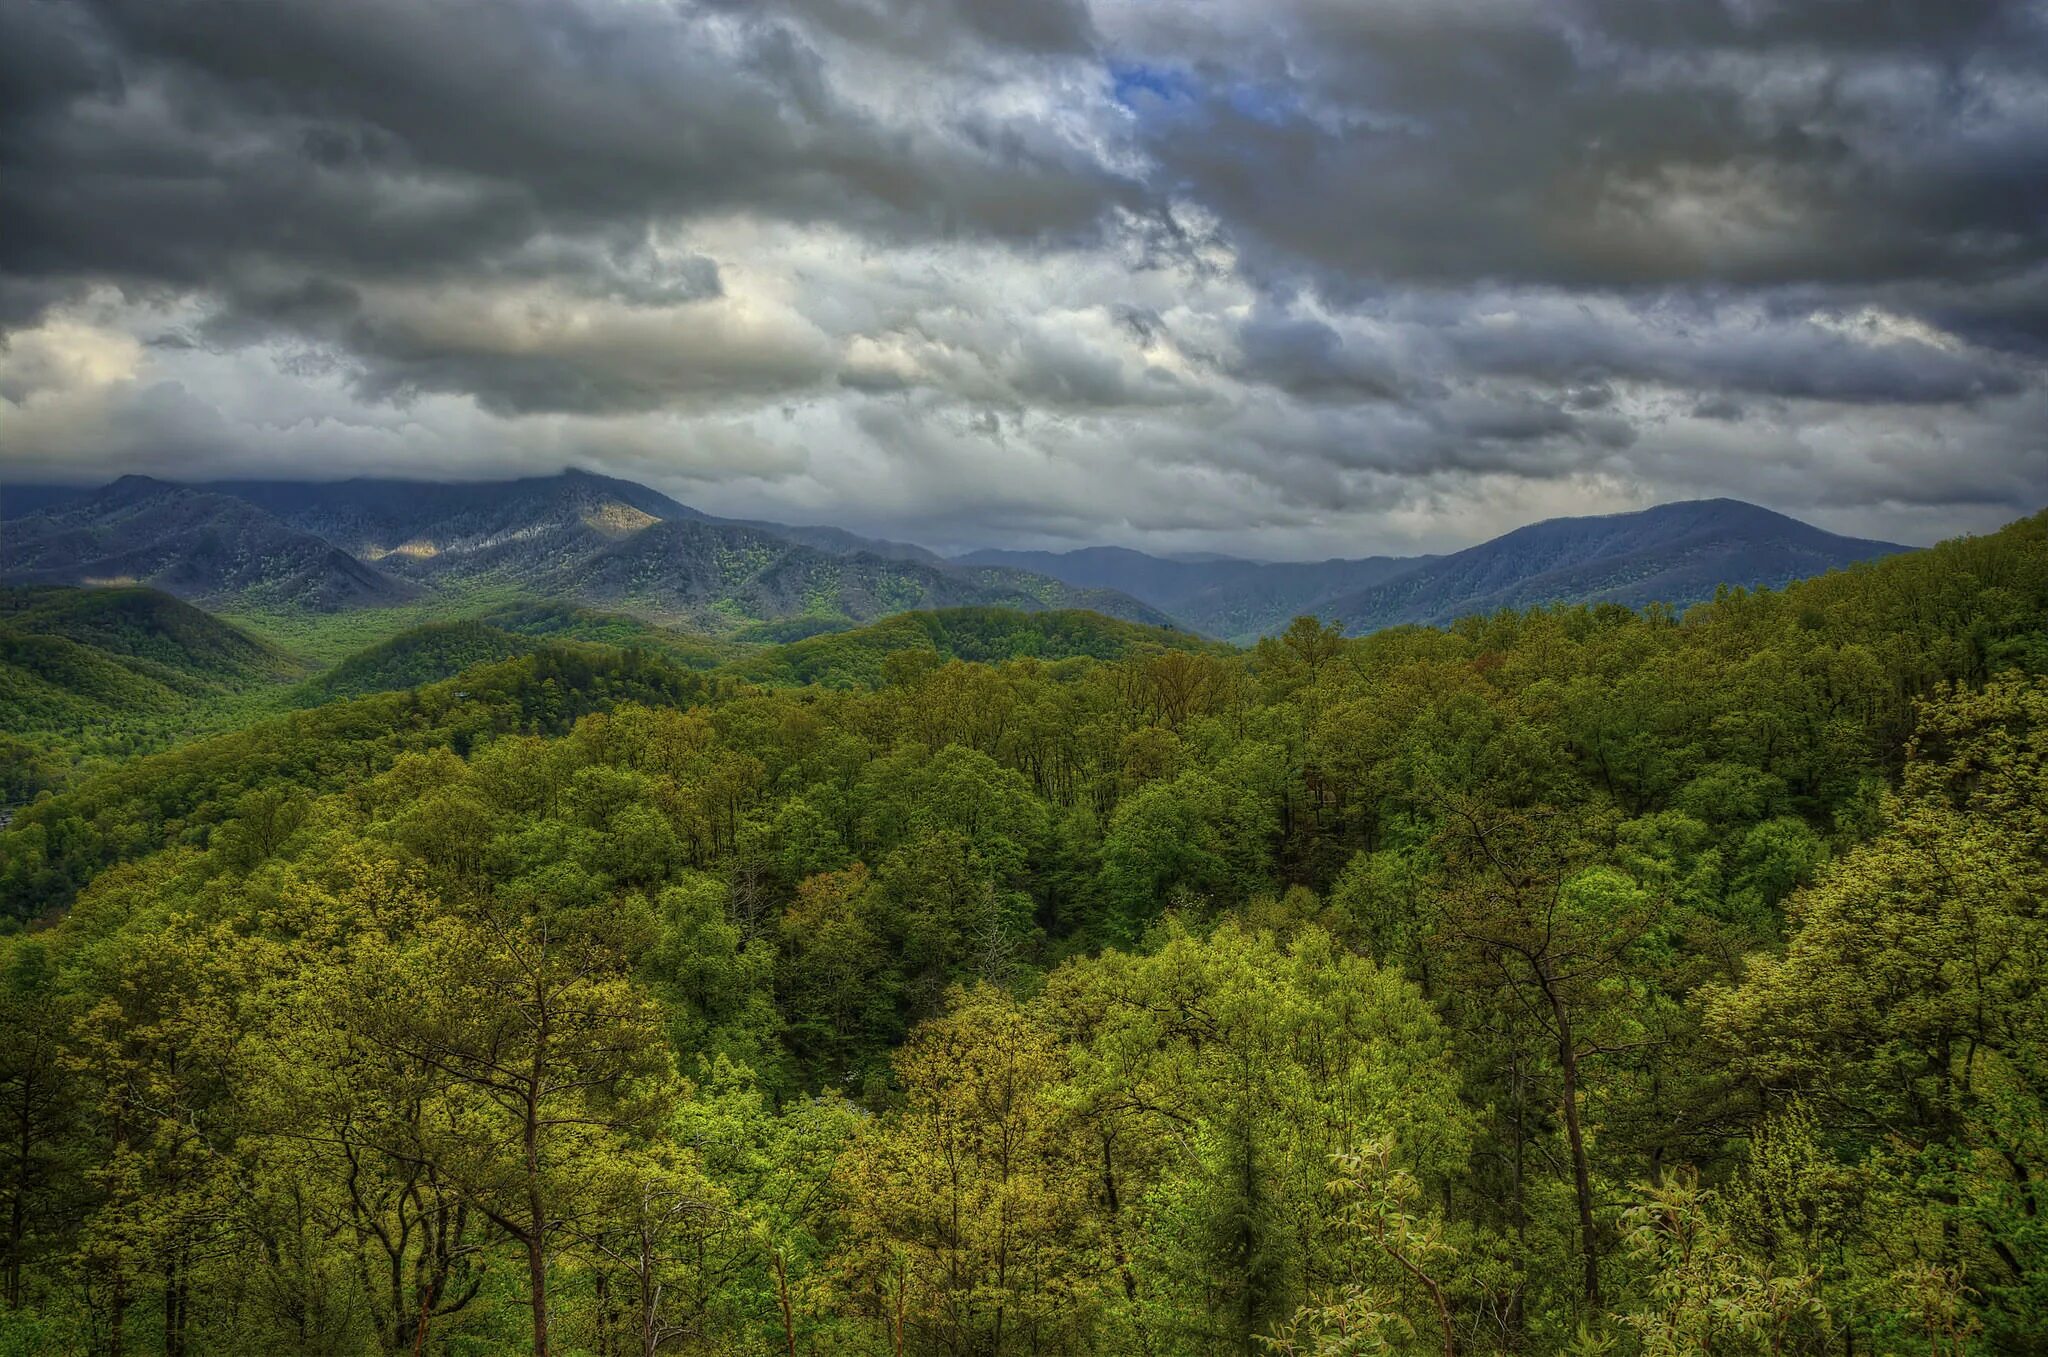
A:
[1733,347]
[1306,357]
[1292,276]
[177,140]
[1610,144]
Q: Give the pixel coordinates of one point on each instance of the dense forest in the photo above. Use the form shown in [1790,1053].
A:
[1576,980]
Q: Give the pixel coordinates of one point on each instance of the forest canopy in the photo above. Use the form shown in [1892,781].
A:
[1573,980]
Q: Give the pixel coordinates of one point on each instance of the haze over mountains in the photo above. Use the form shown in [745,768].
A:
[1673,553]
[1219,596]
[600,541]
[576,536]
[194,543]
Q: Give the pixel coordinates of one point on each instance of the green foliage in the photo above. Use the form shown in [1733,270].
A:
[423,655]
[841,658]
[89,674]
[1575,980]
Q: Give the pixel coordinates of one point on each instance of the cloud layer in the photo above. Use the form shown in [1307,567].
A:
[1288,277]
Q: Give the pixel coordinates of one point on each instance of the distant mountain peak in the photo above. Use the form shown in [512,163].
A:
[1677,553]
[133,486]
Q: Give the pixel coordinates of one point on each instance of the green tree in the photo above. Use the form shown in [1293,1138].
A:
[967,1208]
[543,1059]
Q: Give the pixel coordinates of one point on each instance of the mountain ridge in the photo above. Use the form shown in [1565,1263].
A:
[1675,553]
[1678,553]
[577,536]
[593,539]
[194,544]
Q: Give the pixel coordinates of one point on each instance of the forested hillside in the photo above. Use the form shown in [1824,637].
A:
[424,654]
[212,548]
[96,673]
[1577,980]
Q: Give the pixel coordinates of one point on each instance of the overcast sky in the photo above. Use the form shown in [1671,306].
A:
[1291,278]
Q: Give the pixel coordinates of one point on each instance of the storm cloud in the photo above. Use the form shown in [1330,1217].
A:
[1287,277]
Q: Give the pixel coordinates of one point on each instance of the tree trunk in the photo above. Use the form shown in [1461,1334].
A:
[536,1233]
[419,1333]
[537,1280]
[174,1310]
[1582,1176]
[784,1302]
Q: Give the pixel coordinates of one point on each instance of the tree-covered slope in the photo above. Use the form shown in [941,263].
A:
[86,672]
[184,643]
[860,657]
[1566,980]
[719,577]
[426,654]
[550,620]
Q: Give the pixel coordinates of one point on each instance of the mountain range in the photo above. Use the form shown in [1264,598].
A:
[590,539]
[1218,595]
[1673,553]
[598,541]
[195,543]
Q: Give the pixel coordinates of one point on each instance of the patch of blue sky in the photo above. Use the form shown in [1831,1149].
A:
[1175,91]
[1266,102]
[1134,83]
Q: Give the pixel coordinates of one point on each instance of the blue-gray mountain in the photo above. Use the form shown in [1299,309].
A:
[1674,553]
[1217,596]
[597,540]
[576,536]
[197,544]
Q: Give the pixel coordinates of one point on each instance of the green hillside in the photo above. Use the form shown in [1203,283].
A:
[1641,977]
[94,673]
[434,651]
[858,657]
[551,620]
[426,654]
[179,642]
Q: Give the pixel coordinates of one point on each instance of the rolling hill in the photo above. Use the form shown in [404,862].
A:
[845,658]
[984,635]
[426,654]
[92,671]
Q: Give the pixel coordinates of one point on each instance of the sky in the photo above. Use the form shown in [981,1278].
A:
[1288,278]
